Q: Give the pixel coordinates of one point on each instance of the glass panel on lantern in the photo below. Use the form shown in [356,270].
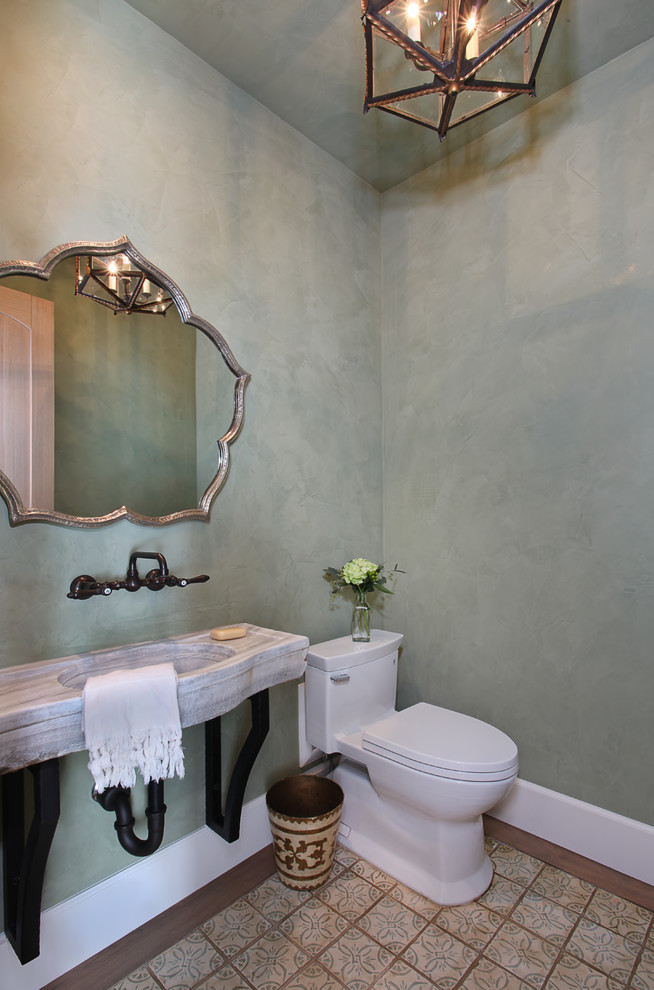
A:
[538,30]
[425,108]
[498,18]
[106,271]
[511,65]
[471,102]
[394,71]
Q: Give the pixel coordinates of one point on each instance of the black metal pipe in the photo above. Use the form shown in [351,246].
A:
[117,799]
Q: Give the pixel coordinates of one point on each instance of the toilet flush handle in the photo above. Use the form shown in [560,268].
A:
[340,678]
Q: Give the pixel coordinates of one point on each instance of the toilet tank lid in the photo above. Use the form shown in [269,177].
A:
[336,654]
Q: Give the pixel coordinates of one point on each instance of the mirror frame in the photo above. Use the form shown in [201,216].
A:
[19,513]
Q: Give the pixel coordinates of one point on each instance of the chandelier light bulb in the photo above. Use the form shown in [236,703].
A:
[413,21]
[472,48]
[112,278]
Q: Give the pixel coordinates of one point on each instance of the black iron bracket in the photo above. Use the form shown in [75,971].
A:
[228,824]
[24,859]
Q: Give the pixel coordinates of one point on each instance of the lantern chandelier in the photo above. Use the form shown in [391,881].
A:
[442,62]
[118,283]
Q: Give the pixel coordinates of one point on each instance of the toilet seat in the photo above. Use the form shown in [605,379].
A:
[443,743]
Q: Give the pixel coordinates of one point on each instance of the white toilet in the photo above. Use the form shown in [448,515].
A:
[416,782]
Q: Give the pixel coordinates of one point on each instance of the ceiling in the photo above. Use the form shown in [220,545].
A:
[303,59]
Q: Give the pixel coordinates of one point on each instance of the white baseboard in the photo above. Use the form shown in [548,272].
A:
[621,843]
[78,928]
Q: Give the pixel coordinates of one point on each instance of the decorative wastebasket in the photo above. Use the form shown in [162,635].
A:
[304,813]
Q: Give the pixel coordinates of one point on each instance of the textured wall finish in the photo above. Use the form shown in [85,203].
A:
[519,442]
[120,130]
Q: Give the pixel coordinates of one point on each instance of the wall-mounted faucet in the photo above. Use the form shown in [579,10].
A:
[84,586]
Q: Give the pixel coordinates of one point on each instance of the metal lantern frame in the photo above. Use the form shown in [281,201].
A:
[452,71]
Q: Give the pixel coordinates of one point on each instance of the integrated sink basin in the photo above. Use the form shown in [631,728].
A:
[186,658]
[41,703]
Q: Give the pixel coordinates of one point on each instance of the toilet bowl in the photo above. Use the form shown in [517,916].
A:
[417,781]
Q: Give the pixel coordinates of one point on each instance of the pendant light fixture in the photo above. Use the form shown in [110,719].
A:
[116,281]
[439,63]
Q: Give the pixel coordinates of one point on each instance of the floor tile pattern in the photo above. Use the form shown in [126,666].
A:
[536,928]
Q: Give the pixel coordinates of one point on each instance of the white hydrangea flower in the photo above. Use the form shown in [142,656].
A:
[358,570]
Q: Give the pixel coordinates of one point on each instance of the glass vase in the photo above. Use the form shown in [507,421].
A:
[361,619]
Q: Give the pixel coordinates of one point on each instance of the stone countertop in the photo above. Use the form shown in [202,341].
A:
[41,703]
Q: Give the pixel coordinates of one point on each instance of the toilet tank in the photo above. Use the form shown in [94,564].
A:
[349,685]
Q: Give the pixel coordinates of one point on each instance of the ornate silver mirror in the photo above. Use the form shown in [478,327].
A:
[116,401]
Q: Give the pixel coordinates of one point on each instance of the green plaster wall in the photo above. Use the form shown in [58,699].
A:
[116,129]
[519,443]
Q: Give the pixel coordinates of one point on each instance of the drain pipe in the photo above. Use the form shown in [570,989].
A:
[117,799]
[324,768]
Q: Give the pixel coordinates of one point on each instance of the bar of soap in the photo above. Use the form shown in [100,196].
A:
[228,632]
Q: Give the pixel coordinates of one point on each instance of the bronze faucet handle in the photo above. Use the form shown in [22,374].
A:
[84,586]
[200,579]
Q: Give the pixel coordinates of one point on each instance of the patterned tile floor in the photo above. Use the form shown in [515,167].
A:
[536,927]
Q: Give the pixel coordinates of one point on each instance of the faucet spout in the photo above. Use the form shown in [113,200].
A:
[133,582]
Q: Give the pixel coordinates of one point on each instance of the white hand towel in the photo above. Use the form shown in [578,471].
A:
[131,722]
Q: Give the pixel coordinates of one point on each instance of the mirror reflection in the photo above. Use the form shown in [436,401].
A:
[116,400]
